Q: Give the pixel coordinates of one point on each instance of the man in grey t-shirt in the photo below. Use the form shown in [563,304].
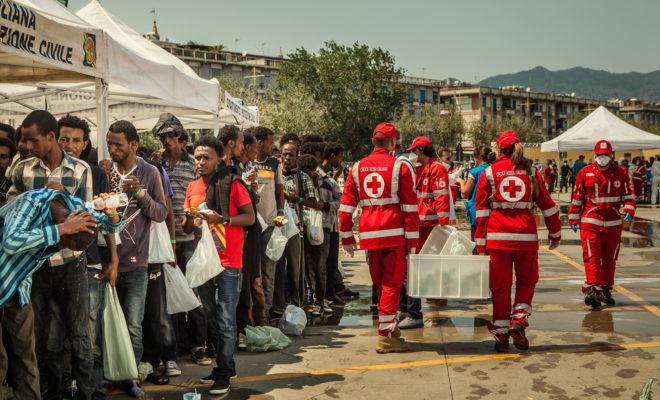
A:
[271,202]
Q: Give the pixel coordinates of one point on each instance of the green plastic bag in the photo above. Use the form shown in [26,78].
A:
[118,357]
[265,338]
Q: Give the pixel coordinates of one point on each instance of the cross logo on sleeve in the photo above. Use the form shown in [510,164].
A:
[512,188]
[373,185]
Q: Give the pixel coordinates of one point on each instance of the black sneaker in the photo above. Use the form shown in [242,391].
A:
[349,294]
[200,357]
[207,380]
[221,386]
[591,298]
[609,300]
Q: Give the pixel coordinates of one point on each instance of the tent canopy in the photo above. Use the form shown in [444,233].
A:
[136,65]
[602,124]
[45,42]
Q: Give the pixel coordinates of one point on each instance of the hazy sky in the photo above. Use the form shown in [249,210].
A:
[465,39]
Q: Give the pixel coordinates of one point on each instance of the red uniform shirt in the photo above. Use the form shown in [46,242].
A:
[383,186]
[232,256]
[504,206]
[432,193]
[598,196]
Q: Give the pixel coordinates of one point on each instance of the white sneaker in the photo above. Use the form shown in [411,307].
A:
[172,369]
[242,342]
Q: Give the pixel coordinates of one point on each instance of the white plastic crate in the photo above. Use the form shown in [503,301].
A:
[433,276]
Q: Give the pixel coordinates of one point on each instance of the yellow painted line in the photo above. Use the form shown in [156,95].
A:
[596,348]
[632,296]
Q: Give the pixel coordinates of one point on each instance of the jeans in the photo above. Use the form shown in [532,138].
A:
[268,268]
[289,274]
[206,295]
[63,290]
[411,305]
[18,362]
[155,325]
[332,266]
[132,292]
[316,258]
[252,293]
[96,306]
[191,328]
[226,299]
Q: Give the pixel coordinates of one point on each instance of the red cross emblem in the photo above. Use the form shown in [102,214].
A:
[374,185]
[512,188]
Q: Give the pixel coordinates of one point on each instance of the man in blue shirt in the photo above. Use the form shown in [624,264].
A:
[36,225]
[577,166]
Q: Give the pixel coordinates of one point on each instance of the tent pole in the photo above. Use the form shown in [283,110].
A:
[216,124]
[101,90]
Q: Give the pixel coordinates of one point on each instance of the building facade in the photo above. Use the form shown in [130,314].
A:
[640,111]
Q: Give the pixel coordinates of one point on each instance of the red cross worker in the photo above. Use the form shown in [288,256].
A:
[389,226]
[507,193]
[601,189]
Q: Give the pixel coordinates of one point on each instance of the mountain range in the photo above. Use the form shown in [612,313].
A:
[584,82]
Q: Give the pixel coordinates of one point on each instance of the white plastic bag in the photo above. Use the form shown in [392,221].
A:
[204,264]
[118,356]
[276,244]
[178,294]
[293,321]
[290,229]
[313,220]
[160,244]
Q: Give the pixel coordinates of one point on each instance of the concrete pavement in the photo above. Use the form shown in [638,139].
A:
[575,353]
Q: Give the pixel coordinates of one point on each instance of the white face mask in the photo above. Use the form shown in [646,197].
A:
[603,160]
[412,157]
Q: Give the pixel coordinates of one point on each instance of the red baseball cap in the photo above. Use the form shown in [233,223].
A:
[506,139]
[419,141]
[603,147]
[385,130]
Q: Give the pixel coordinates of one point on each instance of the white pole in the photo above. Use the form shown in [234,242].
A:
[102,122]
[216,124]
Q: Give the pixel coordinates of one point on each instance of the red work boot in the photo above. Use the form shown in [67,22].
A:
[517,333]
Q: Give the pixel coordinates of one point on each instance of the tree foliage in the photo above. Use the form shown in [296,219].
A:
[355,87]
[444,126]
[485,132]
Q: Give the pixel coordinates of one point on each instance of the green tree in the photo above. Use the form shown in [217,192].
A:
[486,132]
[355,86]
[409,128]
[443,124]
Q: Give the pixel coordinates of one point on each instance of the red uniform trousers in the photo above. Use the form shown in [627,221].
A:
[599,252]
[502,264]
[388,271]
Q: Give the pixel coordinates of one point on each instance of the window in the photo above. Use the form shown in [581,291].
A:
[435,97]
[411,98]
[483,101]
[494,104]
[422,96]
[514,104]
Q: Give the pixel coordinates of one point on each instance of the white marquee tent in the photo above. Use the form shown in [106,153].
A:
[602,124]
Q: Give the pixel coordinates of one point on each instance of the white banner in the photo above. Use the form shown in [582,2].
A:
[235,105]
[45,39]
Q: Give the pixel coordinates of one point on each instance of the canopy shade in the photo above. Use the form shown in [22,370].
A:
[42,41]
[602,124]
[137,65]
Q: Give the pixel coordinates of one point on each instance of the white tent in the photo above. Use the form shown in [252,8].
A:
[602,124]
[43,41]
[138,66]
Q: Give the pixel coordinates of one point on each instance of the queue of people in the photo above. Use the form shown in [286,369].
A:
[63,241]
[60,250]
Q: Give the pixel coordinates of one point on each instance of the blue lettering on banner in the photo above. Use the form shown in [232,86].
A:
[18,14]
[16,39]
[55,51]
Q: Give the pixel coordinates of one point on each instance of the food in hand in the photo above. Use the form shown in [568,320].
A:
[110,201]
[280,220]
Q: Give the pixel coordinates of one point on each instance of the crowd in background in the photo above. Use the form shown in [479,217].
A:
[240,183]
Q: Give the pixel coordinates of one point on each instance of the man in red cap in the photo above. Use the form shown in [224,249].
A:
[432,185]
[507,192]
[600,190]
[389,226]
